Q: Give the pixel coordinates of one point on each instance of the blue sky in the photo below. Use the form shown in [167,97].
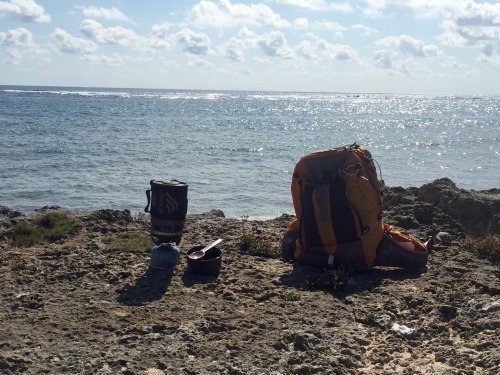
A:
[394,46]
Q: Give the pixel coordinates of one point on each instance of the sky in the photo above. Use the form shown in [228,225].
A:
[363,46]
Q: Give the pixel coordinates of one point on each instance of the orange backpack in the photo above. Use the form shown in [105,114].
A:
[338,208]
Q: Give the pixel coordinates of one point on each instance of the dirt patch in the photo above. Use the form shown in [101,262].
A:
[75,306]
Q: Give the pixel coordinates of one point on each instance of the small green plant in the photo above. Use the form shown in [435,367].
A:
[487,246]
[19,265]
[131,242]
[369,318]
[329,279]
[26,234]
[456,296]
[49,227]
[290,297]
[252,246]
[364,293]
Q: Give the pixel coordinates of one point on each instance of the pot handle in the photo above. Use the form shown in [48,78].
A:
[148,195]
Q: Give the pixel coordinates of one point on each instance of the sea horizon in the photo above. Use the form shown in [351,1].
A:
[257,90]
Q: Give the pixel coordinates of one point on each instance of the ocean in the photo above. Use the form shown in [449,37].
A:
[94,148]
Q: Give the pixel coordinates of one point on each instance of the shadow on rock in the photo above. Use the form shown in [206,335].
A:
[374,278]
[340,282]
[149,287]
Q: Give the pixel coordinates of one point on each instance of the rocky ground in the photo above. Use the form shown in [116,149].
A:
[79,307]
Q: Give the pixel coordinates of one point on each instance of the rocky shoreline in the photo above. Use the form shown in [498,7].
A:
[80,306]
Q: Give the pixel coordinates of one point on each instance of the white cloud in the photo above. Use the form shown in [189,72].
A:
[15,56]
[233,49]
[192,42]
[472,24]
[464,22]
[87,49]
[450,36]
[488,49]
[160,31]
[20,45]
[482,58]
[159,36]
[113,59]
[193,60]
[365,30]
[392,62]
[335,27]
[453,64]
[443,9]
[274,44]
[307,4]
[301,23]
[407,44]
[224,14]
[106,13]
[19,37]
[341,7]
[306,49]
[404,70]
[245,71]
[116,35]
[245,32]
[26,10]
[336,51]
[384,59]
[402,52]
[325,25]
[67,43]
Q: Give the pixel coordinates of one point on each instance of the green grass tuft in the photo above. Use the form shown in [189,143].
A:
[252,246]
[46,228]
[19,265]
[487,247]
[131,242]
[290,297]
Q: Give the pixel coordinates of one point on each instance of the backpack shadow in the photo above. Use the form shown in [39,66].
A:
[341,282]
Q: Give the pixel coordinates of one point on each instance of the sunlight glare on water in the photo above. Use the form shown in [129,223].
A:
[90,148]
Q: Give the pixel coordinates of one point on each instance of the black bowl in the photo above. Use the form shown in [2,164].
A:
[209,265]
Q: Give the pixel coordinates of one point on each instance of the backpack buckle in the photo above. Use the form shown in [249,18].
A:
[330,259]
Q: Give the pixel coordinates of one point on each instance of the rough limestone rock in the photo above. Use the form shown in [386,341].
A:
[441,206]
[79,306]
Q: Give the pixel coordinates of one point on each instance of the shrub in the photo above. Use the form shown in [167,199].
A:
[26,234]
[49,227]
[19,265]
[329,279]
[487,246]
[290,297]
[252,246]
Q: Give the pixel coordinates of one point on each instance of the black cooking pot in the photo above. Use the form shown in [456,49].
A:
[209,265]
